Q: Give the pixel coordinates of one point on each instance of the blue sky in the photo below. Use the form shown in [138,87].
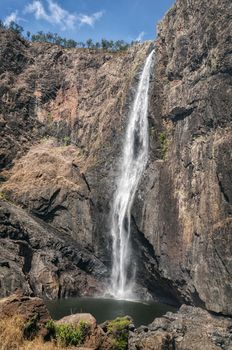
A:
[83,19]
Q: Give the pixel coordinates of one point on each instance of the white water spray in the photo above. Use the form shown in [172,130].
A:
[134,159]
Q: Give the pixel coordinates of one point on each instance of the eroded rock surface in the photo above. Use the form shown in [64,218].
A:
[184,205]
[31,310]
[61,120]
[189,329]
[36,257]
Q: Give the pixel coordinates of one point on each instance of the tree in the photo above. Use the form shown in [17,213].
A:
[97,45]
[135,42]
[104,44]
[70,44]
[121,45]
[81,44]
[49,37]
[16,27]
[111,45]
[2,25]
[54,38]
[89,43]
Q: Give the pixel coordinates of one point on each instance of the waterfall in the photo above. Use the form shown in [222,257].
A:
[134,159]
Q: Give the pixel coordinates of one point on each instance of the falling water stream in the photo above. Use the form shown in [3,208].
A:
[134,159]
[133,162]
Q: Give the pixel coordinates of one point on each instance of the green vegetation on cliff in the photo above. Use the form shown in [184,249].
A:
[163,139]
[54,38]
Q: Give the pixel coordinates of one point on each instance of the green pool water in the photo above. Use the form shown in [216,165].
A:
[141,312]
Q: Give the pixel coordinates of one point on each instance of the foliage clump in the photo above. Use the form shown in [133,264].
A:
[67,140]
[54,38]
[15,27]
[4,197]
[164,143]
[68,334]
[119,330]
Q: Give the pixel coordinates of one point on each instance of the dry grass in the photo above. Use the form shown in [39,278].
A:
[11,333]
[11,337]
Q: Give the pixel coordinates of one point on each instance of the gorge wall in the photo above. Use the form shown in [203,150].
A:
[62,115]
[184,205]
[62,119]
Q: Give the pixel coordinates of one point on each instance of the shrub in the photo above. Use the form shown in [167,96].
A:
[164,143]
[31,328]
[12,337]
[15,27]
[119,329]
[4,197]
[67,140]
[68,334]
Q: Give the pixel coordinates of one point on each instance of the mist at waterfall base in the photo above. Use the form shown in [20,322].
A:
[133,162]
[142,313]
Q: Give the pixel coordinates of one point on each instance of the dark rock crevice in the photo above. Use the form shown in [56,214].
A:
[148,274]
[222,190]
[179,113]
[26,252]
[87,184]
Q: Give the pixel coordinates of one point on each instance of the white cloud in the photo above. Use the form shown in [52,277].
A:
[55,14]
[37,8]
[61,16]
[90,20]
[13,17]
[140,36]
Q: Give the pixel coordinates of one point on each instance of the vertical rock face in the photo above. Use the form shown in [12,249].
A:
[62,116]
[184,205]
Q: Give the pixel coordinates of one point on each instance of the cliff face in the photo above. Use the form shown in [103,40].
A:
[184,205]
[62,121]
[60,113]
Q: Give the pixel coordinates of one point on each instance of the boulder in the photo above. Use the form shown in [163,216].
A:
[95,336]
[189,329]
[31,310]
[75,320]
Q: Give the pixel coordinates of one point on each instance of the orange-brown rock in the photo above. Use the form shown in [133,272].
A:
[59,115]
[184,205]
[31,310]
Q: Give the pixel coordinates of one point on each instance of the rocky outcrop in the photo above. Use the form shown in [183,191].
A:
[95,336]
[189,329]
[37,258]
[184,205]
[31,311]
[62,121]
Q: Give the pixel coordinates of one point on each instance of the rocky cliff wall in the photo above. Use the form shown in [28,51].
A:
[63,113]
[184,205]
